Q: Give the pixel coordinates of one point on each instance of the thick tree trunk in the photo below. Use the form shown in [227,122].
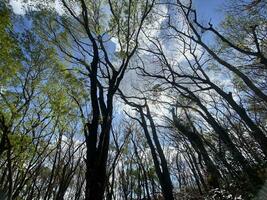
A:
[3,144]
[96,162]
[95,184]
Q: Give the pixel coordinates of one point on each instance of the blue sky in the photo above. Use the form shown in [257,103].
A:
[206,8]
[210,10]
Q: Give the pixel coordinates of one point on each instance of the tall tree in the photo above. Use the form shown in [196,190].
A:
[99,67]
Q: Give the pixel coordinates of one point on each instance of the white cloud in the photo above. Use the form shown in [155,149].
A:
[116,42]
[17,6]
[20,7]
[59,7]
[159,15]
[153,27]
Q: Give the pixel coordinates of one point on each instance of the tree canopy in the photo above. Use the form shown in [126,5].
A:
[132,99]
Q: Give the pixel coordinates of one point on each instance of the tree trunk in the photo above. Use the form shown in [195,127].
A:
[257,133]
[160,166]
[197,144]
[96,161]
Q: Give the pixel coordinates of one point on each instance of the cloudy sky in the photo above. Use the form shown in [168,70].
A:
[206,8]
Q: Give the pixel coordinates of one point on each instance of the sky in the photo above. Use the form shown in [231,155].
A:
[18,6]
[210,10]
[206,8]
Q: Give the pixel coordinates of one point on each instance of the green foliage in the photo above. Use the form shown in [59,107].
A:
[9,49]
[22,148]
[239,25]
